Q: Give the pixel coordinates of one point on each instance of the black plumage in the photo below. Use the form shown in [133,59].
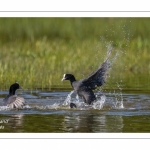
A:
[85,87]
[72,105]
[12,100]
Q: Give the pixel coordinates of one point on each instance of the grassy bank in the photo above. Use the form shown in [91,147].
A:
[36,52]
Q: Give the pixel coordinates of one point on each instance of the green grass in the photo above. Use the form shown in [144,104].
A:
[36,52]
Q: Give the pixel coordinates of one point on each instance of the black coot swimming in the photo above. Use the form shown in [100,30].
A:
[12,100]
[85,87]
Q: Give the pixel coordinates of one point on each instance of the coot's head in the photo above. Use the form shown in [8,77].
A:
[68,77]
[14,87]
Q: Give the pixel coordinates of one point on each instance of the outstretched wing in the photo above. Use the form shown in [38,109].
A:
[98,77]
[14,102]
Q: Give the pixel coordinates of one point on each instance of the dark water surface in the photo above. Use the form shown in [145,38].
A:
[49,112]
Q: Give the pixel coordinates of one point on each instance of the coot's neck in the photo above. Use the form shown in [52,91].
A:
[12,91]
[72,79]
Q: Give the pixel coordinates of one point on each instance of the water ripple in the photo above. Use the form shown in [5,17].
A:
[46,102]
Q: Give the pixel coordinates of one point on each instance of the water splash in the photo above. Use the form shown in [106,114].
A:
[54,106]
[121,97]
[99,103]
[118,98]
[49,107]
[4,108]
[77,98]
[68,99]
[118,104]
[27,107]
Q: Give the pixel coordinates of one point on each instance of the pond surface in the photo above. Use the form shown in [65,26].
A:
[49,112]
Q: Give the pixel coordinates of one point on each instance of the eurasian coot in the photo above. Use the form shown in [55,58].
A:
[85,87]
[12,100]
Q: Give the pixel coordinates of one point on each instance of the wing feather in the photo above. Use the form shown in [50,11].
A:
[97,78]
[15,102]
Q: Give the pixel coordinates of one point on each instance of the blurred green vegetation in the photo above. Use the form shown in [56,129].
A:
[36,52]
